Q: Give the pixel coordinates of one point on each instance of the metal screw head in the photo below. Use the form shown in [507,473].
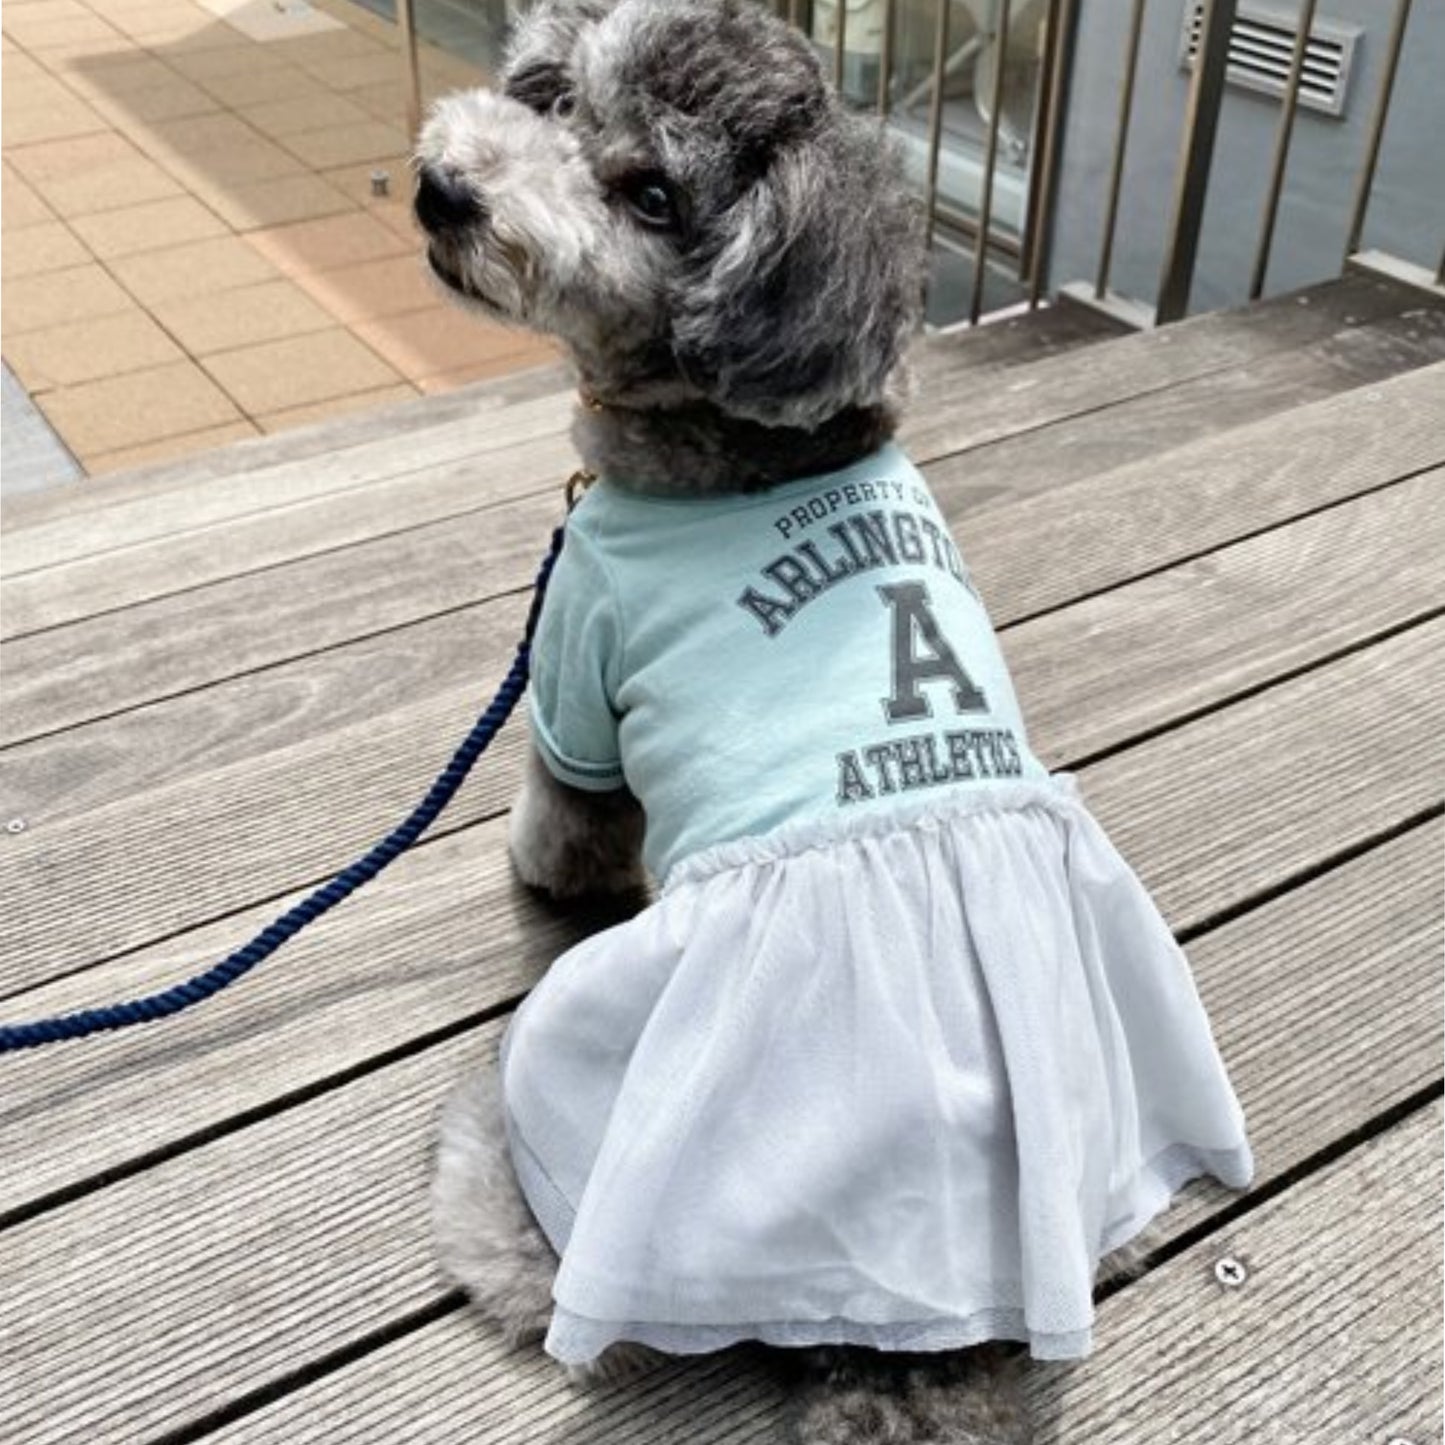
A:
[1230,1273]
[380,183]
[15,825]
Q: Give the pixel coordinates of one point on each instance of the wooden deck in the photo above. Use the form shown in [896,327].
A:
[1214,553]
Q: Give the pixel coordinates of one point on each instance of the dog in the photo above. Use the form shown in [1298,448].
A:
[800,1099]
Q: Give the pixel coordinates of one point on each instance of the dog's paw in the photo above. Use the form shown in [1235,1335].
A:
[616,1365]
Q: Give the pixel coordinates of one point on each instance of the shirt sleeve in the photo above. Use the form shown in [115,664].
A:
[576,666]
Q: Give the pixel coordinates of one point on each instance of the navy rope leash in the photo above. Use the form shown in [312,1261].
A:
[162,1005]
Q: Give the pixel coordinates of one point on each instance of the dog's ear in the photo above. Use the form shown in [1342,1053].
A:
[535,69]
[806,303]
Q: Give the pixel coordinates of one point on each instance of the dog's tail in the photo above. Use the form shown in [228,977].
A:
[485,1235]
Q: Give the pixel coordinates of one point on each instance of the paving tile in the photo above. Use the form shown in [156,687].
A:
[170,448]
[159,25]
[41,12]
[144,406]
[26,91]
[318,111]
[375,288]
[107,8]
[219,148]
[134,111]
[54,298]
[343,44]
[384,101]
[356,181]
[269,21]
[281,375]
[338,406]
[398,217]
[50,246]
[540,354]
[92,173]
[352,71]
[38,34]
[244,57]
[52,120]
[87,350]
[211,40]
[430,343]
[20,204]
[122,75]
[243,317]
[198,268]
[152,226]
[342,145]
[253,85]
[20,66]
[88,53]
[326,244]
[279,201]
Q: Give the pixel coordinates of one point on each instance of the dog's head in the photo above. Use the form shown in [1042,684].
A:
[670,188]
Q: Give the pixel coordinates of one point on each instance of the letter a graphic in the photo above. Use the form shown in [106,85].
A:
[913,617]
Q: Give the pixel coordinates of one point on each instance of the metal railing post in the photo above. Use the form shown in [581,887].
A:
[1121,145]
[935,118]
[1041,208]
[885,59]
[1281,148]
[406,24]
[990,157]
[1377,129]
[1191,182]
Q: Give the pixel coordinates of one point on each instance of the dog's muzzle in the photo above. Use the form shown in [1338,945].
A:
[446,203]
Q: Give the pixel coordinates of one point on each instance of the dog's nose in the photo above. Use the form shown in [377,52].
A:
[446,203]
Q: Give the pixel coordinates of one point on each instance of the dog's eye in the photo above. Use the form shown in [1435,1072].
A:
[652,201]
[565,105]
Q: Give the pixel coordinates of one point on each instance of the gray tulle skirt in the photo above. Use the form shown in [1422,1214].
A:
[896,1083]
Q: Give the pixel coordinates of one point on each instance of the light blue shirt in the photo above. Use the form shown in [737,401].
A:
[752,660]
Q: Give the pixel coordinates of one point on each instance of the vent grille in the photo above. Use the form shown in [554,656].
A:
[1261,47]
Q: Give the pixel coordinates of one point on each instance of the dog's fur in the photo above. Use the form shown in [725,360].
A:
[756,337]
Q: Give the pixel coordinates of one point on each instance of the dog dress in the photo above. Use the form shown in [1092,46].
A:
[903,1046]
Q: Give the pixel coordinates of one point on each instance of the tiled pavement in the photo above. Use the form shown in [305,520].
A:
[192,248]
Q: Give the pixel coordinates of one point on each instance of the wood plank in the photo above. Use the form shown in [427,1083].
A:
[195,551]
[1287,1358]
[153,562]
[1128,520]
[1065,386]
[1185,639]
[173,1292]
[1040,462]
[1204,838]
[1018,340]
[346,725]
[1335,1334]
